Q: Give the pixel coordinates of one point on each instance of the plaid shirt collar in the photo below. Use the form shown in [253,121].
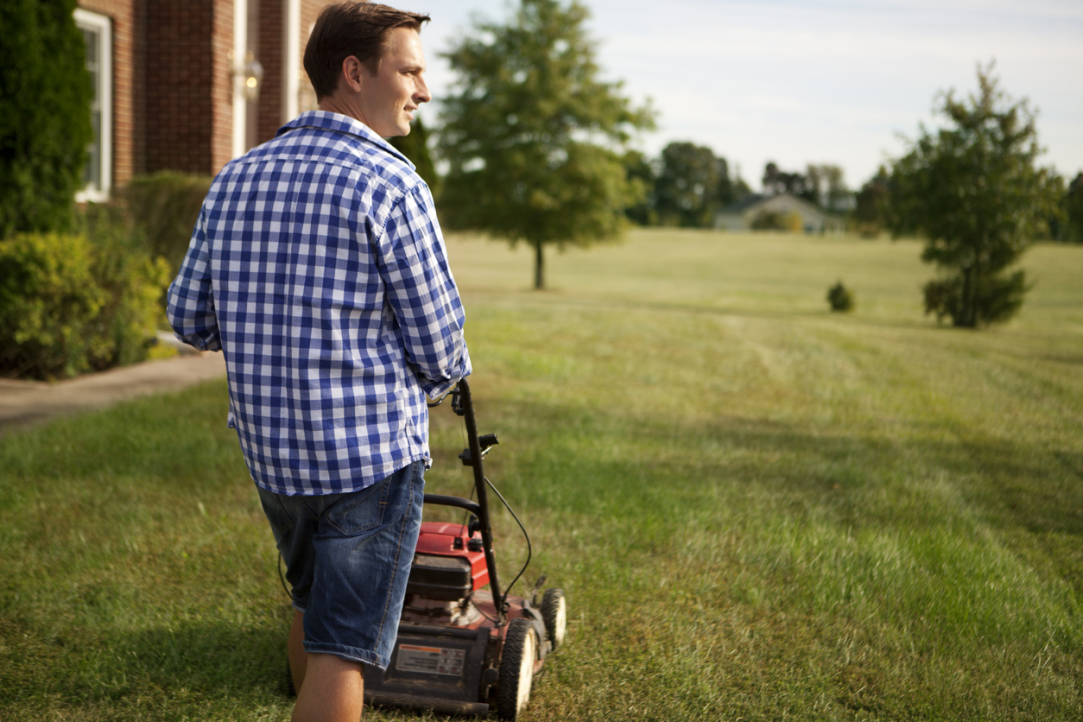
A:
[338,123]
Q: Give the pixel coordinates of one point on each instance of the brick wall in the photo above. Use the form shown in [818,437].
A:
[188,85]
[129,140]
[270,54]
[310,10]
[172,88]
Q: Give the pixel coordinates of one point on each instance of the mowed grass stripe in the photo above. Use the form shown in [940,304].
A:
[758,509]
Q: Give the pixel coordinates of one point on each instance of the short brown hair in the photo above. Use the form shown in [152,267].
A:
[352,28]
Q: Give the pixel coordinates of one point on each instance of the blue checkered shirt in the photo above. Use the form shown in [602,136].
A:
[318,268]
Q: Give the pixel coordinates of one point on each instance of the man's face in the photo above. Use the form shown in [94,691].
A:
[389,99]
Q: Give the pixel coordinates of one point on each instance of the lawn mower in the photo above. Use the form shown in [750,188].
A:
[462,648]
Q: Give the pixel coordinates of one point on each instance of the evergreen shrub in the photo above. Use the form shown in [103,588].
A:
[45,123]
[71,303]
[164,207]
[840,298]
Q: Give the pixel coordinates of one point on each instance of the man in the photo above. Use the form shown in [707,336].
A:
[318,268]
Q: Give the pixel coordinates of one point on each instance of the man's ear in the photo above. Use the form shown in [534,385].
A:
[352,71]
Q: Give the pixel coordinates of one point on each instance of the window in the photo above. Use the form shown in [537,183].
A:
[98,173]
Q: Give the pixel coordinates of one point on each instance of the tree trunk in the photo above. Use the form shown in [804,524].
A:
[539,267]
[968,313]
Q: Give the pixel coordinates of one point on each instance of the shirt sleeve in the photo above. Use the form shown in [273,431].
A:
[190,306]
[422,293]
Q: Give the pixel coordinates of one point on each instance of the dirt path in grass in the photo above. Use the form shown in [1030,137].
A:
[23,403]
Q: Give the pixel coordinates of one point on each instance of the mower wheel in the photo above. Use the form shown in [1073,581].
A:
[516,669]
[554,610]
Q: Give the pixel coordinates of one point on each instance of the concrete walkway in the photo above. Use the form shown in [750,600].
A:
[24,403]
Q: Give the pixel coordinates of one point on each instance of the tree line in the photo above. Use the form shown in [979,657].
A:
[538,150]
[687,184]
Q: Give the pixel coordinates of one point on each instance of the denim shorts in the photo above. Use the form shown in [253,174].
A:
[348,559]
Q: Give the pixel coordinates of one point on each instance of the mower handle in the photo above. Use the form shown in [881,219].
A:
[456,501]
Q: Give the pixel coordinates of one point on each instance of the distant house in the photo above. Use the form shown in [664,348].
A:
[189,84]
[741,216]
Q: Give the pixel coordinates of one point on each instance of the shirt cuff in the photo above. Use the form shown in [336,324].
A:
[435,390]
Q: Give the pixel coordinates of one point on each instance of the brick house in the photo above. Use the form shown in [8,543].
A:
[189,84]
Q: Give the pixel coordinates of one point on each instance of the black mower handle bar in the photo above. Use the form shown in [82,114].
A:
[462,404]
[457,501]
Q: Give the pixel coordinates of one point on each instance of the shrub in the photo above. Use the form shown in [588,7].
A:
[767,220]
[164,207]
[76,302]
[840,298]
[45,115]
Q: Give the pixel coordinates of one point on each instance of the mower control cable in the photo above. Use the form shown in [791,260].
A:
[529,547]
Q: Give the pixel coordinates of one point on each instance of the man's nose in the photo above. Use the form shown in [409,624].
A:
[421,93]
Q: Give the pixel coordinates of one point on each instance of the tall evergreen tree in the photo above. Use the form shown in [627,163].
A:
[534,140]
[973,189]
[45,115]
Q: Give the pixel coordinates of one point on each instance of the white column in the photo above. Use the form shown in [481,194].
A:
[240,47]
[291,58]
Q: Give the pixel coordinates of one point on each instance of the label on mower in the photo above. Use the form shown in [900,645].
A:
[430,660]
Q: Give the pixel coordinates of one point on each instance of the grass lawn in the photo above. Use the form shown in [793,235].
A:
[758,509]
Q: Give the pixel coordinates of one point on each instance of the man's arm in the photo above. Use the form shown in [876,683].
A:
[191,299]
[422,292]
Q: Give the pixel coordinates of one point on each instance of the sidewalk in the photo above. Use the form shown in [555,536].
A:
[24,403]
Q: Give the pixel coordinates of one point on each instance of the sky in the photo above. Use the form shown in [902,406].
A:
[820,81]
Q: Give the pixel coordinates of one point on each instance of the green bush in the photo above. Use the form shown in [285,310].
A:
[840,298]
[71,303]
[767,220]
[164,207]
[45,124]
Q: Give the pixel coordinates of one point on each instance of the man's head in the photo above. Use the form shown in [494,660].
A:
[365,60]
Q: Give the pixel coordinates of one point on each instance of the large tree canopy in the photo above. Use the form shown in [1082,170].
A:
[533,139]
[45,115]
[973,189]
[692,184]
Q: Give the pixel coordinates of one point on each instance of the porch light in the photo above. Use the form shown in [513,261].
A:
[247,76]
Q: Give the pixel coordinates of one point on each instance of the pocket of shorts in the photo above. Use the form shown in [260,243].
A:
[359,512]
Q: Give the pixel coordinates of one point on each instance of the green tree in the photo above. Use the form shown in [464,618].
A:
[641,173]
[973,189]
[776,180]
[692,184]
[828,186]
[873,205]
[534,140]
[44,117]
[1073,210]
[739,189]
[415,146]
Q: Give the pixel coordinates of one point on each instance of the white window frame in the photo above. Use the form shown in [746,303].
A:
[100,24]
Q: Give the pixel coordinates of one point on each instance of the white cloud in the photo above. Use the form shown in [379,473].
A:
[812,81]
